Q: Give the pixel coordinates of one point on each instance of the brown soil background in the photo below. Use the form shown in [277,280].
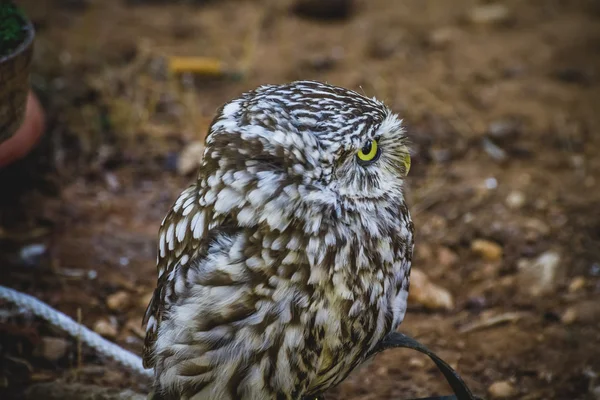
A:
[93,193]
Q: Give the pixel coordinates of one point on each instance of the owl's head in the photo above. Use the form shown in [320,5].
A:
[306,142]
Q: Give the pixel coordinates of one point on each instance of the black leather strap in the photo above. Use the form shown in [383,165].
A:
[461,390]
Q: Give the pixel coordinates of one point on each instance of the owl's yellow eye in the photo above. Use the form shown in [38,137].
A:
[369,153]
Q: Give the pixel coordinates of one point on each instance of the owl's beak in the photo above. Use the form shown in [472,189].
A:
[406,162]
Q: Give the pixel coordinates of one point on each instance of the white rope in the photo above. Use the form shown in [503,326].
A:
[67,324]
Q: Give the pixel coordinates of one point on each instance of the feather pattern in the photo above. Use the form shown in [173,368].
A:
[287,261]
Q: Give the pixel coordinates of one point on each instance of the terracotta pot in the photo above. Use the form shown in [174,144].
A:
[21,117]
[26,136]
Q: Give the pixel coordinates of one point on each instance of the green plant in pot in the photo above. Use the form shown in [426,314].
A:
[21,118]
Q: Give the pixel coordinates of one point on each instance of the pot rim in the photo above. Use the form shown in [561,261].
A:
[25,44]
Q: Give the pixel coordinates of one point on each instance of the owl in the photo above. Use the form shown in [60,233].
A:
[288,259]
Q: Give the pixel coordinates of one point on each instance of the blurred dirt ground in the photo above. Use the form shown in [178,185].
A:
[501,105]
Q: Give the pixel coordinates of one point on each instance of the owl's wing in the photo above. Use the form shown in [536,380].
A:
[181,233]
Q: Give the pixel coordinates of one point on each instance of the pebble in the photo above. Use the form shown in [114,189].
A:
[112,182]
[52,349]
[538,276]
[501,390]
[535,229]
[486,249]
[537,225]
[427,293]
[488,14]
[503,129]
[493,150]
[584,312]
[443,37]
[569,316]
[32,254]
[577,284]
[118,301]
[446,257]
[486,272]
[515,200]
[190,158]
[416,362]
[491,183]
[105,328]
[476,303]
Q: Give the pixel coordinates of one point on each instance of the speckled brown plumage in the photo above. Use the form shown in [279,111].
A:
[288,260]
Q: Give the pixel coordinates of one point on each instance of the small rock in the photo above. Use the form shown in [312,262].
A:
[106,329]
[578,161]
[535,229]
[490,183]
[446,257]
[416,362]
[476,303]
[569,316]
[324,9]
[52,349]
[537,225]
[584,312]
[112,182]
[501,390]
[577,284]
[515,200]
[493,150]
[427,293]
[190,158]
[486,249]
[504,129]
[488,271]
[488,14]
[118,301]
[538,276]
[507,281]
[32,254]
[442,37]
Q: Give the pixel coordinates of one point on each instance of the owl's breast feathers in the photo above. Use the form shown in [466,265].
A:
[315,304]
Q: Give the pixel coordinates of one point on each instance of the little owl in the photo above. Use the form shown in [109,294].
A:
[288,259]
